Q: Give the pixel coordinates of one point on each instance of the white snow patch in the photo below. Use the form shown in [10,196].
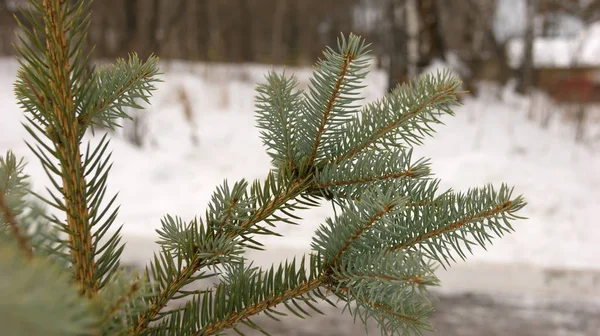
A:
[582,50]
[489,141]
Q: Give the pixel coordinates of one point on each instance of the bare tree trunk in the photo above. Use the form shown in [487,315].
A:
[293,35]
[191,47]
[153,45]
[412,33]
[245,23]
[431,42]
[277,45]
[7,26]
[215,42]
[397,39]
[130,11]
[526,75]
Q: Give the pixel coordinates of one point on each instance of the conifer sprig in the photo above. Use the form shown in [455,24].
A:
[61,100]
[455,219]
[352,177]
[402,118]
[12,200]
[276,108]
[128,82]
[32,287]
[233,216]
[247,291]
[333,96]
[378,255]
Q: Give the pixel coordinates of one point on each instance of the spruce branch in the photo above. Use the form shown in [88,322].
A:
[276,105]
[118,87]
[61,116]
[274,196]
[122,301]
[378,253]
[411,319]
[443,225]
[178,277]
[351,177]
[248,291]
[218,241]
[38,298]
[332,96]
[63,98]
[335,238]
[12,186]
[402,117]
[261,306]
[26,219]
[9,218]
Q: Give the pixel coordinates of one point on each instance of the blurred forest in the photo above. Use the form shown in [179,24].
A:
[407,35]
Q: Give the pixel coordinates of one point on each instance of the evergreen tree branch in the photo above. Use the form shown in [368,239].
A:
[335,238]
[353,223]
[459,224]
[25,219]
[117,87]
[332,96]
[348,58]
[268,200]
[266,209]
[122,301]
[13,186]
[161,299]
[385,308]
[277,103]
[9,218]
[39,299]
[246,292]
[58,20]
[381,271]
[451,220]
[404,114]
[260,306]
[404,315]
[64,98]
[353,176]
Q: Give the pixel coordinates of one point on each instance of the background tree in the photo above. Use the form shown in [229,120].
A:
[396,39]
[527,64]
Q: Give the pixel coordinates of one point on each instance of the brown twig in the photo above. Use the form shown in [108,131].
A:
[260,307]
[9,218]
[56,24]
[135,286]
[366,179]
[348,58]
[386,209]
[441,93]
[450,227]
[161,300]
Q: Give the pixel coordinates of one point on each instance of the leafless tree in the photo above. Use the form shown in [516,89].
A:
[526,70]
[396,40]
[431,40]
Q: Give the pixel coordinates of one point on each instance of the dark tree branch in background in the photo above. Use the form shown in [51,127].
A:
[526,70]
[395,32]
[432,44]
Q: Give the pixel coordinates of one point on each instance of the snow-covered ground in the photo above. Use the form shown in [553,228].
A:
[488,141]
[582,49]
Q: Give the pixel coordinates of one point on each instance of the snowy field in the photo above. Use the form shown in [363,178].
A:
[489,141]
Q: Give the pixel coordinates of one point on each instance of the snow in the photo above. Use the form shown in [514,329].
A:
[589,45]
[582,49]
[489,141]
